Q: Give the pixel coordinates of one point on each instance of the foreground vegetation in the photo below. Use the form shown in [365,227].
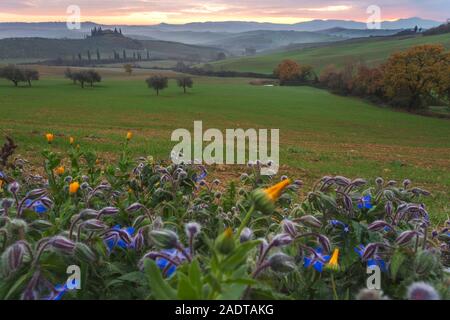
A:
[146,230]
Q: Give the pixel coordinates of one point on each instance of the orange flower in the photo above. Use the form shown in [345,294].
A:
[71,140]
[265,198]
[129,135]
[333,263]
[60,170]
[275,191]
[50,137]
[73,188]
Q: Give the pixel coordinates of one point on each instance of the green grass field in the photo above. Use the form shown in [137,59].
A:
[369,51]
[320,133]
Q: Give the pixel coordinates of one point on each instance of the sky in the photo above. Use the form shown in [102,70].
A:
[145,12]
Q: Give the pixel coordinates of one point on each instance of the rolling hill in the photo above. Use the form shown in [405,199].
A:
[48,49]
[371,51]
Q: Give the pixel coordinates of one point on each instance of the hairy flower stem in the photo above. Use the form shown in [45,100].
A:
[333,284]
[180,248]
[246,220]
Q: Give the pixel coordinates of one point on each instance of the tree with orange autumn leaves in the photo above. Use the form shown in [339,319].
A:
[291,71]
[418,73]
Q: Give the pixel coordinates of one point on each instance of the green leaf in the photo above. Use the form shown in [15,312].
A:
[185,289]
[161,290]
[195,276]
[396,262]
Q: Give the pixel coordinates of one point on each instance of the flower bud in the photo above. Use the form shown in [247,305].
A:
[406,183]
[12,258]
[7,203]
[138,241]
[289,227]
[342,181]
[378,225]
[108,211]
[405,237]
[280,262]
[88,213]
[282,239]
[389,195]
[165,239]
[18,225]
[84,253]
[41,225]
[379,181]
[62,244]
[246,235]
[225,242]
[369,251]
[358,182]
[134,207]
[94,225]
[14,187]
[310,221]
[370,294]
[324,242]
[192,229]
[422,291]
[36,193]
[389,208]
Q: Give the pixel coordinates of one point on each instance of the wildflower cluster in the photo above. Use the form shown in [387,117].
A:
[142,229]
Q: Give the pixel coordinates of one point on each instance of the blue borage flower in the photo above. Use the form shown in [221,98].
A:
[60,290]
[317,260]
[37,206]
[365,202]
[340,224]
[201,176]
[167,267]
[111,243]
[377,261]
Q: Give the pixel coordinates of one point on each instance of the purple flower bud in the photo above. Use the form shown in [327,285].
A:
[192,229]
[108,211]
[36,193]
[324,242]
[289,227]
[88,213]
[348,203]
[422,291]
[369,251]
[310,221]
[12,258]
[342,181]
[282,239]
[379,181]
[246,235]
[378,225]
[298,183]
[391,183]
[138,241]
[14,187]
[359,182]
[47,202]
[406,183]
[405,237]
[7,203]
[389,208]
[134,207]
[94,225]
[62,243]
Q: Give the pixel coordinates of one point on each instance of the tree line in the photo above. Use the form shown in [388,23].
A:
[82,77]
[411,79]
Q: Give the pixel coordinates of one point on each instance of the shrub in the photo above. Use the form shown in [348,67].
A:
[17,75]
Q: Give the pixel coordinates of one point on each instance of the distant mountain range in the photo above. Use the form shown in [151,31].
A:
[208,29]
[194,41]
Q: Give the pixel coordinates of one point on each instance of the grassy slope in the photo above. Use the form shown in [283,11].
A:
[370,51]
[320,133]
